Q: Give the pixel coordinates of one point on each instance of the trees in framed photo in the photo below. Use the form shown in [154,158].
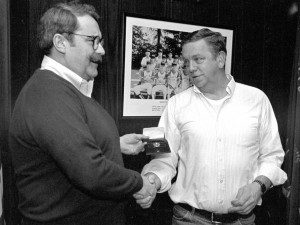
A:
[154,68]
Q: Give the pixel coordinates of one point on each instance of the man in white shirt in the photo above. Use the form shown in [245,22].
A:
[145,84]
[146,58]
[173,78]
[224,140]
[159,58]
[160,82]
[170,59]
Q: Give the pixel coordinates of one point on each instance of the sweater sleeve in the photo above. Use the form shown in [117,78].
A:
[56,120]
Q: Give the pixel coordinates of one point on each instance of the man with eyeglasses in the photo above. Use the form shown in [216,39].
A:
[65,147]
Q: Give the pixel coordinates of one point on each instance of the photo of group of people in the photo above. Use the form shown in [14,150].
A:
[160,76]
[157,70]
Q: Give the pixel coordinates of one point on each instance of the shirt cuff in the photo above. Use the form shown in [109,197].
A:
[164,179]
[276,175]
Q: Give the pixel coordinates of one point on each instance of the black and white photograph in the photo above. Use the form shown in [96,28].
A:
[150,112]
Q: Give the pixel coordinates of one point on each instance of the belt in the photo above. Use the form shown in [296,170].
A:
[216,217]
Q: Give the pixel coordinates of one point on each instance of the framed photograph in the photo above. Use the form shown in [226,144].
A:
[153,65]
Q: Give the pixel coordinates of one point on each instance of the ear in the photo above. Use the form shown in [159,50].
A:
[59,42]
[221,59]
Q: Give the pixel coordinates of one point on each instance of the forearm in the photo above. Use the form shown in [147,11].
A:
[271,153]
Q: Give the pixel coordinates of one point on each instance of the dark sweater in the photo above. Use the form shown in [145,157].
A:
[66,154]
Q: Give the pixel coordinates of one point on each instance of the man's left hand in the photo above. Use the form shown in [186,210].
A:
[246,199]
[131,144]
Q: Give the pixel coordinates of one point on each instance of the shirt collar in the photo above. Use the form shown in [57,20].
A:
[84,86]
[229,89]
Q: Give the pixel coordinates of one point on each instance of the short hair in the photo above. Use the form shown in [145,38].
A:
[215,40]
[62,19]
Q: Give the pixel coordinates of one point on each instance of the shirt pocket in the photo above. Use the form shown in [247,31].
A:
[242,132]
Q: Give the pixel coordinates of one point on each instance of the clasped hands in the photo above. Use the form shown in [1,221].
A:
[145,197]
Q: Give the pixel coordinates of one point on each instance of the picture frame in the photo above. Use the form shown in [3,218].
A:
[146,38]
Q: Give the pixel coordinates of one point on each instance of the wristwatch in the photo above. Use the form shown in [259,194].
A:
[262,186]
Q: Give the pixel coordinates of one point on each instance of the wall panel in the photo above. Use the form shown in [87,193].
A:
[279,42]
[252,42]
[5,105]
[228,16]
[19,45]
[15,51]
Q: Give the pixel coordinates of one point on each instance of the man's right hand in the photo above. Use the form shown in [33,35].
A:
[145,197]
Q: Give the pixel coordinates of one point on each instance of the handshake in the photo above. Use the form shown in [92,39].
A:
[145,196]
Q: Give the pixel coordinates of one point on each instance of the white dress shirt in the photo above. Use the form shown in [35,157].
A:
[218,149]
[84,86]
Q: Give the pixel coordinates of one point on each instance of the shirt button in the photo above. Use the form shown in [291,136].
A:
[219,139]
[220,201]
[221,181]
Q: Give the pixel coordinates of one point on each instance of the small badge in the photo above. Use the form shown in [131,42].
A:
[156,144]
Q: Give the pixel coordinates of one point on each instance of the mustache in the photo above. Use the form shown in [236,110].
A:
[96,58]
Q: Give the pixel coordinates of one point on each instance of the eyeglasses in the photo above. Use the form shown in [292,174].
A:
[95,39]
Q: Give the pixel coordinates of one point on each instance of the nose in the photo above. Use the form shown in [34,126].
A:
[100,50]
[191,66]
